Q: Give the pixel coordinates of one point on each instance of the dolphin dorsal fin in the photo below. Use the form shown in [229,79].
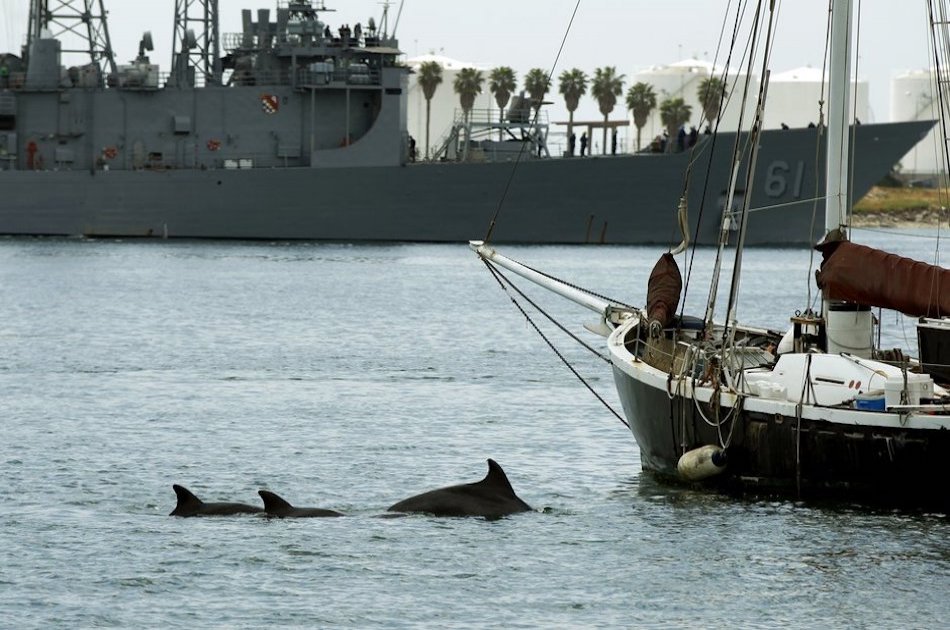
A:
[272,502]
[496,477]
[186,498]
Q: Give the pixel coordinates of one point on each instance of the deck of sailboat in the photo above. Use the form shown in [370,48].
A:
[776,445]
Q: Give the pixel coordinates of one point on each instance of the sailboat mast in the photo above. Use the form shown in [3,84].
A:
[837,202]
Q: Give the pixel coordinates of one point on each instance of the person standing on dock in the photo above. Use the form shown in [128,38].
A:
[583,143]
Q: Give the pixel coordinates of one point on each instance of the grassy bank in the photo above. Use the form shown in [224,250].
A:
[904,206]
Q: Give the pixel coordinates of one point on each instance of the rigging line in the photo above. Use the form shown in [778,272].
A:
[735,162]
[936,85]
[852,116]
[739,148]
[495,274]
[755,133]
[946,150]
[537,112]
[854,108]
[551,319]
[723,103]
[941,96]
[695,151]
[820,132]
[785,204]
[740,11]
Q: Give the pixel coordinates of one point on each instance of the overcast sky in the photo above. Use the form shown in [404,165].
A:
[629,34]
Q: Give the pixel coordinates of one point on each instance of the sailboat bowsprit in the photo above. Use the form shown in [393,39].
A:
[817,410]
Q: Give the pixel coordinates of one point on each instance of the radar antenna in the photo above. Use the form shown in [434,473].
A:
[80,25]
[384,21]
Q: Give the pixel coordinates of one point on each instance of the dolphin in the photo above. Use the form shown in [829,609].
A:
[276,506]
[492,497]
[190,505]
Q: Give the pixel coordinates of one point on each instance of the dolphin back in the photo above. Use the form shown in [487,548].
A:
[498,480]
[188,504]
[492,497]
[275,505]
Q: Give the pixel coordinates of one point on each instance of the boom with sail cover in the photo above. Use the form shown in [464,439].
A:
[864,275]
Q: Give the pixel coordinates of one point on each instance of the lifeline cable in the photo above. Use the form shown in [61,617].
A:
[497,275]
[537,111]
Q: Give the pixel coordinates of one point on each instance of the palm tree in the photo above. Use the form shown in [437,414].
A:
[502,82]
[468,85]
[712,91]
[573,85]
[537,83]
[430,76]
[674,113]
[641,100]
[606,87]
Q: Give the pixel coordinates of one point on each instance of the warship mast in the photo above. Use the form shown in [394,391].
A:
[196,43]
[81,22]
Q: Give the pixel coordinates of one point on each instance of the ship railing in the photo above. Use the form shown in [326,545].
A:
[308,77]
[482,136]
[52,81]
[305,77]
[519,119]
[15,81]
[169,79]
[200,158]
[446,145]
[7,104]
[353,75]
[316,5]
[235,42]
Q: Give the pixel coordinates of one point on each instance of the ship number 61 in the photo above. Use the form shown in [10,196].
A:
[777,176]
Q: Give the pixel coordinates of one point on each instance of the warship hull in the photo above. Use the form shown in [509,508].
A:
[629,199]
[305,137]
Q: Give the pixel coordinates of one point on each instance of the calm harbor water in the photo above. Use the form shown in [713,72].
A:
[350,377]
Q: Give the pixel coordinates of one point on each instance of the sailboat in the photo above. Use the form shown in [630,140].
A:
[815,411]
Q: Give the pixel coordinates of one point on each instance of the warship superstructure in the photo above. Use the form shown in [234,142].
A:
[293,129]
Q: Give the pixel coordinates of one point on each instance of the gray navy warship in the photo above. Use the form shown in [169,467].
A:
[293,130]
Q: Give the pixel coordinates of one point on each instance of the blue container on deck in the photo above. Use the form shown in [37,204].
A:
[870,401]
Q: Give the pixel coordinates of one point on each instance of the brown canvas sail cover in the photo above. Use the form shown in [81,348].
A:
[864,275]
[663,290]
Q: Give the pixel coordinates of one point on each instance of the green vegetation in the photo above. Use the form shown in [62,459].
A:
[606,87]
[502,82]
[537,83]
[880,199]
[641,100]
[711,93]
[430,76]
[573,85]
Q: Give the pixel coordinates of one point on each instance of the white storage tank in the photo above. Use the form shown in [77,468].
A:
[794,96]
[912,98]
[682,80]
